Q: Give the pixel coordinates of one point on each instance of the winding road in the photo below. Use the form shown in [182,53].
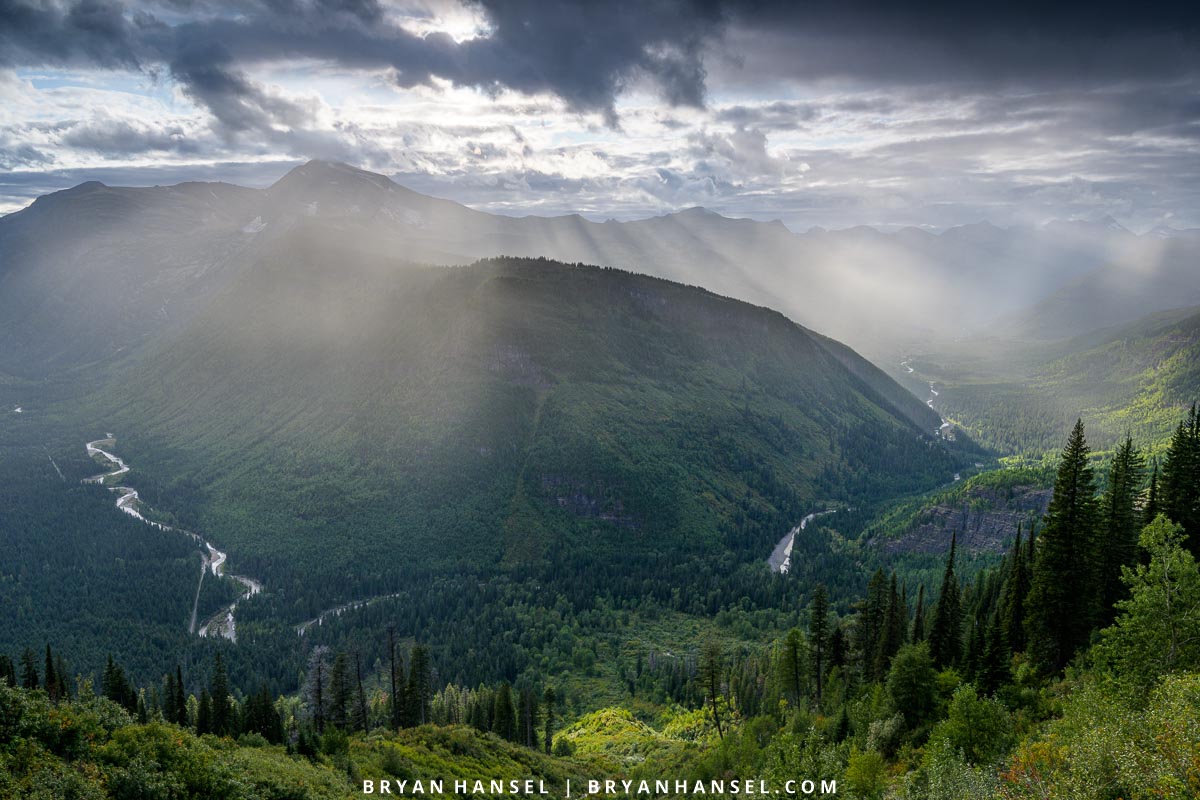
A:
[781,557]
[212,560]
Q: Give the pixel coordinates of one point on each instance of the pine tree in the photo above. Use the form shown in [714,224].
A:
[219,695]
[918,626]
[891,634]
[1063,599]
[340,692]
[420,686]
[29,673]
[549,699]
[945,632]
[818,633]
[204,714]
[359,717]
[1119,527]
[1179,483]
[995,662]
[1016,587]
[712,669]
[504,723]
[52,681]
[316,687]
[871,621]
[397,696]
[791,666]
[179,701]
[8,671]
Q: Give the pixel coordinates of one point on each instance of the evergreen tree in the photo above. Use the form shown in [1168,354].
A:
[397,696]
[871,622]
[837,647]
[29,673]
[359,717]
[1119,526]
[204,714]
[8,671]
[527,714]
[549,699]
[222,724]
[891,634]
[53,687]
[791,666]
[340,692]
[1063,599]
[504,723]
[1016,587]
[179,701]
[316,687]
[945,632]
[712,669]
[995,660]
[912,683]
[918,626]
[420,686]
[818,633]
[1179,483]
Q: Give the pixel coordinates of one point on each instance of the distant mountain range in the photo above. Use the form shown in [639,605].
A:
[102,248]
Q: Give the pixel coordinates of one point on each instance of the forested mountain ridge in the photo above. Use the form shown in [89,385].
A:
[545,397]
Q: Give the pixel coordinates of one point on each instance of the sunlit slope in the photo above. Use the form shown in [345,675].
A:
[335,415]
[1137,378]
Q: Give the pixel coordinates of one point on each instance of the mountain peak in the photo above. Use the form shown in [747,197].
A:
[317,172]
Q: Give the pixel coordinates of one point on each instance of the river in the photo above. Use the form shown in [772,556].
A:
[781,557]
[212,560]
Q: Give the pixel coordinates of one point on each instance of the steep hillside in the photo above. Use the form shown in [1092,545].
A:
[334,411]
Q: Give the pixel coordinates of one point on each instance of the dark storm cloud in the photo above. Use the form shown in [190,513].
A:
[588,52]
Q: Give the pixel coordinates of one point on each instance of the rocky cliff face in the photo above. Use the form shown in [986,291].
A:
[985,520]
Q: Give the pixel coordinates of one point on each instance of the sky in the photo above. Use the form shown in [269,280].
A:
[830,114]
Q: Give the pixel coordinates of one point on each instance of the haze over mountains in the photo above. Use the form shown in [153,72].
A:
[133,261]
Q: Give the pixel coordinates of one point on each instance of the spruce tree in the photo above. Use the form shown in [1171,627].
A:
[995,660]
[1063,598]
[549,699]
[179,701]
[340,692]
[712,669]
[918,626]
[359,717]
[316,687]
[1119,527]
[420,686]
[792,673]
[52,684]
[29,673]
[8,671]
[504,723]
[204,713]
[945,632]
[1179,483]
[891,634]
[871,620]
[1016,587]
[397,696]
[219,695]
[818,633]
